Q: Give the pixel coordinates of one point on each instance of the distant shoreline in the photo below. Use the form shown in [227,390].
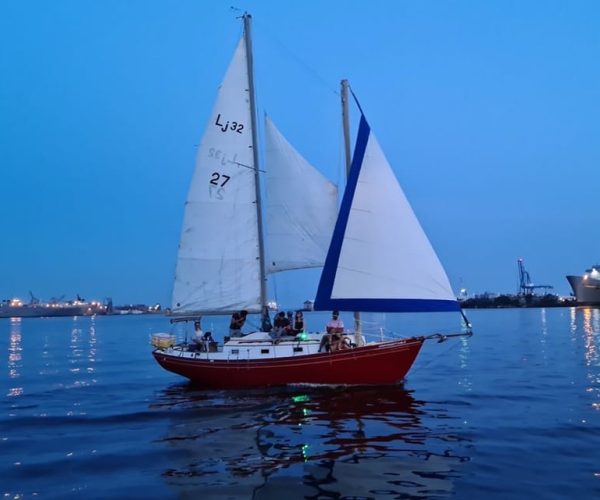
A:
[518,301]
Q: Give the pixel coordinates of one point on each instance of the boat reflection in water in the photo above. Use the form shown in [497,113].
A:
[310,442]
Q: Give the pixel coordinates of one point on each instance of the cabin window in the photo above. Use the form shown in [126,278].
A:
[235,351]
[264,351]
[298,349]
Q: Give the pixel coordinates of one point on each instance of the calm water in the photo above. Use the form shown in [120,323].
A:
[513,411]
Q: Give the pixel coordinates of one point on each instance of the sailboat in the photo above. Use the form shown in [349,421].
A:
[374,253]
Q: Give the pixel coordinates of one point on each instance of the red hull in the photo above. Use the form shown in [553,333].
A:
[385,363]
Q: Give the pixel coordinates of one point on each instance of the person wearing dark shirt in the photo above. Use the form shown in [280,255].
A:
[299,322]
[281,325]
[265,324]
[237,322]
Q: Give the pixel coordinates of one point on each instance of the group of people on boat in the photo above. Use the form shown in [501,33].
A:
[289,324]
[283,324]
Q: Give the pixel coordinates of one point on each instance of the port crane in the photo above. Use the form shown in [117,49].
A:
[526,287]
[56,300]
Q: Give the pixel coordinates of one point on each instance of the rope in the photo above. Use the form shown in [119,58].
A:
[356,101]
[301,62]
[451,346]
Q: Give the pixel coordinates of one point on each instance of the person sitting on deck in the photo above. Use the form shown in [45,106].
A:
[281,326]
[299,325]
[198,331]
[237,322]
[208,343]
[201,340]
[332,340]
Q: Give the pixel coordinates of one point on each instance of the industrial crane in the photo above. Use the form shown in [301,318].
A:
[526,287]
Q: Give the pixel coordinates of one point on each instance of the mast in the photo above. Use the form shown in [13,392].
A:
[348,156]
[261,244]
[346,125]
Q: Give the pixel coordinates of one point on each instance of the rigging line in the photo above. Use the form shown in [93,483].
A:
[274,283]
[247,166]
[467,322]
[434,357]
[297,59]
[356,101]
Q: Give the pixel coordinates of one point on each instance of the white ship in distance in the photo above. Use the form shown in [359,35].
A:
[587,287]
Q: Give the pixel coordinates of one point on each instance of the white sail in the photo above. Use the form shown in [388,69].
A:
[301,206]
[380,258]
[218,259]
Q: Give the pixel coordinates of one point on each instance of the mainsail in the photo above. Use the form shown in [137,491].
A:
[380,258]
[301,206]
[218,262]
[218,266]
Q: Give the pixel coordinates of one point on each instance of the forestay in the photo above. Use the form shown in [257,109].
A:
[218,259]
[301,206]
[380,259]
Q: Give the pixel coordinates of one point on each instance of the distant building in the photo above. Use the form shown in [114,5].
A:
[137,309]
[309,305]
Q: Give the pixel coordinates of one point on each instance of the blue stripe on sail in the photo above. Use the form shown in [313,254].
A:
[323,298]
[388,305]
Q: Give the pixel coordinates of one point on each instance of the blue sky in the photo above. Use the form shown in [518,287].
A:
[488,112]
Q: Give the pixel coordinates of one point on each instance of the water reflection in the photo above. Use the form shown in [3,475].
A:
[544,332]
[589,331]
[463,357]
[75,348]
[91,357]
[573,321]
[15,356]
[82,350]
[589,328]
[363,442]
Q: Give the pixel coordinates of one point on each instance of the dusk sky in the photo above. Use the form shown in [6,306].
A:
[489,113]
